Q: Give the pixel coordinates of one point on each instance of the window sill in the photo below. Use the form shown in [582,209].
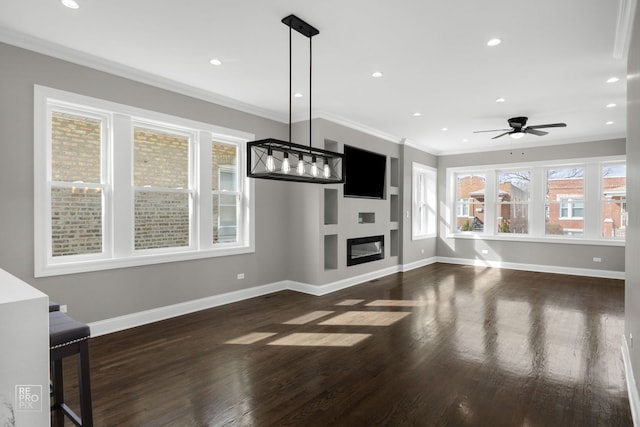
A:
[136,260]
[539,239]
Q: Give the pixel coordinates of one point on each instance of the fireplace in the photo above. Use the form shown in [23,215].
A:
[365,249]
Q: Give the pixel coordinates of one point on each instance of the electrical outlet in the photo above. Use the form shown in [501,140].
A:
[597,259]
[421,251]
[484,251]
[63,308]
[240,276]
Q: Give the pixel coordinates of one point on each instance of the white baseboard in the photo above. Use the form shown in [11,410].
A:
[132,320]
[588,272]
[120,323]
[319,290]
[417,264]
[632,388]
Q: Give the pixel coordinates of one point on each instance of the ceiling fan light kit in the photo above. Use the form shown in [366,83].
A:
[271,158]
[519,128]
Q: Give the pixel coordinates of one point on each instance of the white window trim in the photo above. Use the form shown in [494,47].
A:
[119,253]
[537,203]
[428,200]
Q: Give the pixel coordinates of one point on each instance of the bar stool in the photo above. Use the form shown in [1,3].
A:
[68,337]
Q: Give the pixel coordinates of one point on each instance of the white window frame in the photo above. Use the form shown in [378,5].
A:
[424,204]
[118,190]
[462,208]
[592,201]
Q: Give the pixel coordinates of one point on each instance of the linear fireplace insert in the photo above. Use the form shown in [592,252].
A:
[365,249]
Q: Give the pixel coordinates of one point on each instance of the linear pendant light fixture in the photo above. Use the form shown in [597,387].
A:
[283,160]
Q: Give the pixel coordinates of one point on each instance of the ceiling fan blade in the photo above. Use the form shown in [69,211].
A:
[535,132]
[493,130]
[550,125]
[502,134]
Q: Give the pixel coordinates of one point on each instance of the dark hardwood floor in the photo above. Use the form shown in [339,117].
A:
[443,345]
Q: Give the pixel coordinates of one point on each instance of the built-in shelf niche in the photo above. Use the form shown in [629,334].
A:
[330,206]
[394,178]
[366,217]
[331,252]
[394,214]
[394,243]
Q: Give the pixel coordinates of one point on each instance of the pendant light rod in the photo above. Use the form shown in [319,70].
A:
[290,84]
[310,68]
[307,30]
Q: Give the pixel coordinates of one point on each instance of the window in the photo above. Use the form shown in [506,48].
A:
[613,197]
[120,186]
[424,202]
[225,195]
[565,201]
[583,201]
[470,191]
[163,194]
[513,197]
[77,184]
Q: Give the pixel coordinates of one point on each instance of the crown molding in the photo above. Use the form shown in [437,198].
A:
[624,27]
[91,61]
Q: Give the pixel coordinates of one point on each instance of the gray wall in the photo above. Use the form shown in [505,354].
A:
[105,294]
[548,254]
[413,250]
[632,285]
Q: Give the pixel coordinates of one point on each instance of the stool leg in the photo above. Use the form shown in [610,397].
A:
[84,385]
[58,391]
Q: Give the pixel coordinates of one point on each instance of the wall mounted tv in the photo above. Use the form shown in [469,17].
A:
[365,173]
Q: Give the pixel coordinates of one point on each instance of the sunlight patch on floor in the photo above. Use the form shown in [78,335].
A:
[366,318]
[251,338]
[309,317]
[321,339]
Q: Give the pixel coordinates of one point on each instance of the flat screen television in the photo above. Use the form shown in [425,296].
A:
[365,173]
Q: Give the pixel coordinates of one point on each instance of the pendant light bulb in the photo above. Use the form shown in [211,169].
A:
[286,166]
[326,172]
[314,166]
[300,165]
[271,164]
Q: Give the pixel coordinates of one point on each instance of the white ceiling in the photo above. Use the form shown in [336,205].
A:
[552,65]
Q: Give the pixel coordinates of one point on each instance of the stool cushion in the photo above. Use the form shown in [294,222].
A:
[65,330]
[53,306]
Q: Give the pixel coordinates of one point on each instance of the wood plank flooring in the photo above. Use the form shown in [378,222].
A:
[443,345]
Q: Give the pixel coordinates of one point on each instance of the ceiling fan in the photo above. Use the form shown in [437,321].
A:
[519,128]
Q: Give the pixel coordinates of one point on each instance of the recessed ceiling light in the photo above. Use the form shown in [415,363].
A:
[612,80]
[609,123]
[215,61]
[500,100]
[417,114]
[444,129]
[297,95]
[376,74]
[465,140]
[71,4]
[611,105]
[494,42]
